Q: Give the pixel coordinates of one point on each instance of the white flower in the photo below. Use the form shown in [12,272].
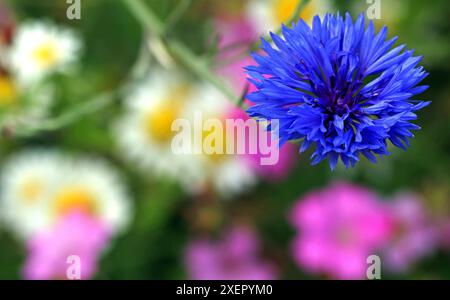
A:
[40,49]
[40,187]
[231,176]
[268,15]
[228,174]
[144,134]
[92,186]
[27,182]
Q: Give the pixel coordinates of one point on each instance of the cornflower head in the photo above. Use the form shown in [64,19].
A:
[338,86]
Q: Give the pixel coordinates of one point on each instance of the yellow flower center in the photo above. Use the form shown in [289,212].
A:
[75,198]
[31,190]
[158,122]
[284,10]
[46,54]
[8,91]
[215,136]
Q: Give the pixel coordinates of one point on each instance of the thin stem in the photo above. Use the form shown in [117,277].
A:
[177,13]
[243,94]
[197,65]
[67,118]
[145,16]
[150,22]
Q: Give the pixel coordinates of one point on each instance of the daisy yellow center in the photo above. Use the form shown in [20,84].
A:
[75,198]
[284,10]
[158,122]
[31,190]
[46,54]
[214,144]
[8,92]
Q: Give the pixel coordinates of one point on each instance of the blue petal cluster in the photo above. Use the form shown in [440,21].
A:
[338,86]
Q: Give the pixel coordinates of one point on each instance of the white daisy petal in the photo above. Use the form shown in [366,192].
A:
[40,187]
[39,49]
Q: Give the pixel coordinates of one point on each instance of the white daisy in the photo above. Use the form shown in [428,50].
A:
[40,49]
[27,182]
[93,187]
[228,174]
[231,176]
[40,187]
[268,15]
[145,135]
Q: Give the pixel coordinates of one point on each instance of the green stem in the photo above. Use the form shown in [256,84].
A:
[176,14]
[197,65]
[243,94]
[67,118]
[150,22]
[146,17]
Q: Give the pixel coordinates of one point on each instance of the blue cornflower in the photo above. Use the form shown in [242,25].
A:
[338,86]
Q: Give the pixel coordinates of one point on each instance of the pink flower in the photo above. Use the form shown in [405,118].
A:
[76,234]
[286,158]
[236,36]
[415,236]
[235,257]
[340,226]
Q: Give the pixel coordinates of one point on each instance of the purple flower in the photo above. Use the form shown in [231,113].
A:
[234,257]
[339,227]
[339,87]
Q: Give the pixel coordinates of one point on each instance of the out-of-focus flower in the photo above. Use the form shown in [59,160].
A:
[27,183]
[229,174]
[339,227]
[35,195]
[145,133]
[267,15]
[287,153]
[236,36]
[74,235]
[235,257]
[40,49]
[415,236]
[318,83]
[93,187]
